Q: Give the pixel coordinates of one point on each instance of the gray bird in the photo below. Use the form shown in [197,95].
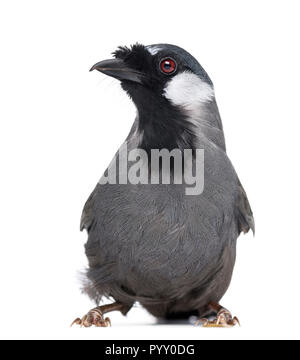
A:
[152,243]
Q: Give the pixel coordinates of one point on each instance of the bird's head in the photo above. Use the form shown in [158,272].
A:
[167,85]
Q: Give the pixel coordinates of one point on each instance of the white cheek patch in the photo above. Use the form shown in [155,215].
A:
[189,91]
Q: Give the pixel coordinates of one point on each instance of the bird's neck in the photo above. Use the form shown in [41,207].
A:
[162,125]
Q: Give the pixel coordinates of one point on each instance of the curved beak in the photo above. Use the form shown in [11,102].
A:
[118,69]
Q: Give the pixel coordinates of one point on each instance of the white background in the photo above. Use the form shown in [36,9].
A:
[61,125]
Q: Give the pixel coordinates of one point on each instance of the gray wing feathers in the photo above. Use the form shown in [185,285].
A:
[88,215]
[245,215]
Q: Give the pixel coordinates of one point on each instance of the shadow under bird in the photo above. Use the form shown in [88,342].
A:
[152,243]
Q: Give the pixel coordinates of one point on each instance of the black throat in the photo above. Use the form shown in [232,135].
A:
[161,124]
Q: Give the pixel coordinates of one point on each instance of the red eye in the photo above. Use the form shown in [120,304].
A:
[168,66]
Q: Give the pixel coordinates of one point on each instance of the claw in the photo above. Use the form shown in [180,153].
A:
[76,321]
[235,321]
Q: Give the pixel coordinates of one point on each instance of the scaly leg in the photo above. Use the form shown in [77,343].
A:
[95,316]
[223,318]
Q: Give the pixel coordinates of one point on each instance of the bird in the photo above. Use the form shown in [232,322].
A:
[154,244]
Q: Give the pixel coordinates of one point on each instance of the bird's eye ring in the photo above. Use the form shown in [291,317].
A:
[168,66]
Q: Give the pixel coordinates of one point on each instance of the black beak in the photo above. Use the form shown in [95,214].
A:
[119,70]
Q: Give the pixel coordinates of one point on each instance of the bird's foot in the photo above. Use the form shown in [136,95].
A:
[93,317]
[223,319]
